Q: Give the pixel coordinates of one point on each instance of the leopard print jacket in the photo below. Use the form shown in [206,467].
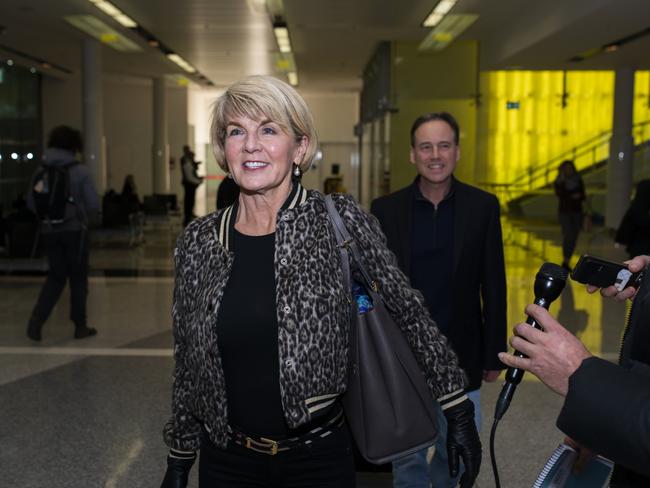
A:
[312,314]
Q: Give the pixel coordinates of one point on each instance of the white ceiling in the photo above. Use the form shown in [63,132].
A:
[332,39]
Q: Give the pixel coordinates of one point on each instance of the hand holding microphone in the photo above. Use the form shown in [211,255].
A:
[552,354]
[549,283]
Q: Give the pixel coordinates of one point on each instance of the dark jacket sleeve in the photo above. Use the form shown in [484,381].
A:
[182,431]
[430,347]
[626,229]
[607,409]
[375,209]
[493,291]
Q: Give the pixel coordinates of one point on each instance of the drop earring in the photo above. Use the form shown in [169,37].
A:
[297,172]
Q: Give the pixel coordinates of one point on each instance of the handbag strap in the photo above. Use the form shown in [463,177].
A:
[347,248]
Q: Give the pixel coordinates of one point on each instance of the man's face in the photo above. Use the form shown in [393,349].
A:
[434,152]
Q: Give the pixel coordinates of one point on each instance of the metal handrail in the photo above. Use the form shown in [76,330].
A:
[539,177]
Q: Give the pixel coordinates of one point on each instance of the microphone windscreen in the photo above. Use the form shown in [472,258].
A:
[554,271]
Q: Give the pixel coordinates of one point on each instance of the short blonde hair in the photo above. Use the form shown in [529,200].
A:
[263,96]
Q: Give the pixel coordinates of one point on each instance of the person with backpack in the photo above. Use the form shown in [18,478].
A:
[63,197]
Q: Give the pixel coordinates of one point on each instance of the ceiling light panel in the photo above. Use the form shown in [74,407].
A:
[439,11]
[182,63]
[109,9]
[102,32]
[446,31]
[282,37]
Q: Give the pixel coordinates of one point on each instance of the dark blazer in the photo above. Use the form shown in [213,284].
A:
[607,407]
[478,332]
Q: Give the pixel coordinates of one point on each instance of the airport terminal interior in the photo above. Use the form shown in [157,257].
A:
[531,83]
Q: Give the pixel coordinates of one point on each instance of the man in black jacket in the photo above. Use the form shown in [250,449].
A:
[447,238]
[607,406]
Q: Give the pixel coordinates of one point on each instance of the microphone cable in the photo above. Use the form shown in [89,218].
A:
[495,469]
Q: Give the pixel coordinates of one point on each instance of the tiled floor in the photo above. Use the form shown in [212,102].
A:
[89,413]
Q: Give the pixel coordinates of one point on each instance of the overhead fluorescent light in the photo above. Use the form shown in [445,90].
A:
[102,32]
[446,31]
[109,9]
[432,20]
[126,21]
[181,62]
[282,37]
[444,6]
[106,7]
[284,60]
[441,9]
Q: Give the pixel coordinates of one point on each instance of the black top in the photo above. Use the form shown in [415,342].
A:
[570,193]
[247,331]
[432,253]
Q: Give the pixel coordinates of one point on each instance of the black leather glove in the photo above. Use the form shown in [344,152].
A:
[463,442]
[179,465]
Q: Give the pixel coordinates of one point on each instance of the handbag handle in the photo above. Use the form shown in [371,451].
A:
[347,247]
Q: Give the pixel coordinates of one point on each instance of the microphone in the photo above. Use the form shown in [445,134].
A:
[549,283]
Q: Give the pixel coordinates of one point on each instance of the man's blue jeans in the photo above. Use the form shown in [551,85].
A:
[429,467]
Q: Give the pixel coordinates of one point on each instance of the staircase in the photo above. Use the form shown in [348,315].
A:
[531,194]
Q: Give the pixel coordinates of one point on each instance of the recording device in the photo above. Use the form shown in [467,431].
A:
[549,283]
[591,270]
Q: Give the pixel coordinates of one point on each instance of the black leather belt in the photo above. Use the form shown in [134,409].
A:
[272,447]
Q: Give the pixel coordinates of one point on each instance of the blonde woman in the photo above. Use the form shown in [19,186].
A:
[261,315]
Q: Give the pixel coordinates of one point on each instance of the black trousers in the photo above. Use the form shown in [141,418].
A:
[67,256]
[188,202]
[325,463]
[570,223]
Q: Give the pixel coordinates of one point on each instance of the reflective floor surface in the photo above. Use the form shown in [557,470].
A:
[89,413]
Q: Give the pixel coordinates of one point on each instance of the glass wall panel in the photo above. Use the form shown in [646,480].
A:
[20,131]
[536,116]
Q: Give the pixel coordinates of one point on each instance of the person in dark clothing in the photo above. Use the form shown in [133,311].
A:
[570,191]
[191,181]
[634,231]
[227,193]
[447,239]
[261,317]
[334,183]
[606,406]
[133,207]
[130,195]
[66,242]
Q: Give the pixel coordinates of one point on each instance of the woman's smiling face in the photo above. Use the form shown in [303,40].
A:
[260,154]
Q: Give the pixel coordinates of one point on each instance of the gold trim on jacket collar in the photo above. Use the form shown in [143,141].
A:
[226,222]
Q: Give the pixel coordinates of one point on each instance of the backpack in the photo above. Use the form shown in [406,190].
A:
[52,192]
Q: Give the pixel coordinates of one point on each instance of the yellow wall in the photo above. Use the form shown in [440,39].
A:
[641,106]
[513,140]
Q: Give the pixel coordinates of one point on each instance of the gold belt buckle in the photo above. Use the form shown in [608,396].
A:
[272,444]
[266,444]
